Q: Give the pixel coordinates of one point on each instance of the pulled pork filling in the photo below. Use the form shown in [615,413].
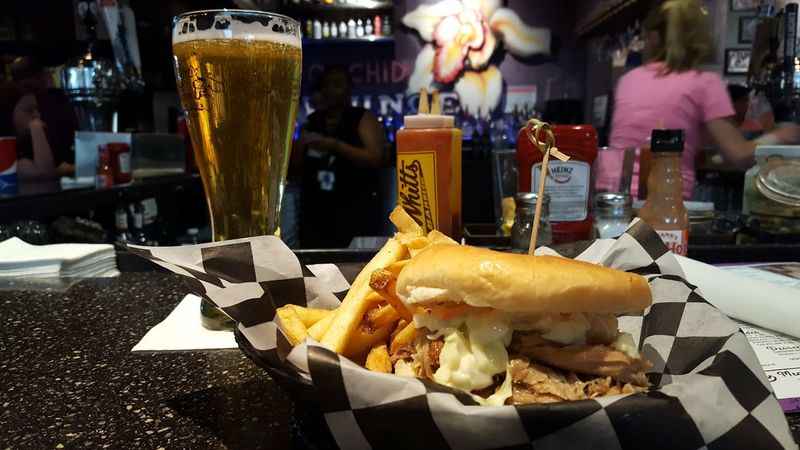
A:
[543,371]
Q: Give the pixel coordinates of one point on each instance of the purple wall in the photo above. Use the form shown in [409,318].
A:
[381,71]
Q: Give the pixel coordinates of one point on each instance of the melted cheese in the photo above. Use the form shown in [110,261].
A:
[569,330]
[626,344]
[473,353]
[501,394]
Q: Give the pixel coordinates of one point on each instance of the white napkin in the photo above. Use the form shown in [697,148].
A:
[20,259]
[182,330]
[761,303]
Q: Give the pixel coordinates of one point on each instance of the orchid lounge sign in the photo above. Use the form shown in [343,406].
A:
[461,37]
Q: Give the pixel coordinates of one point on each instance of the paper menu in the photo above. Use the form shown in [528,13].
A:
[785,274]
[778,353]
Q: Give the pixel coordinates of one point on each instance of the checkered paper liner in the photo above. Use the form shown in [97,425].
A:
[709,392]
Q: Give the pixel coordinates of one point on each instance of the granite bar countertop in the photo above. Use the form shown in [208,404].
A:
[69,379]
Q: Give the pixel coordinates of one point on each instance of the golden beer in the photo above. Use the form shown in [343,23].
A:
[241,101]
[239,83]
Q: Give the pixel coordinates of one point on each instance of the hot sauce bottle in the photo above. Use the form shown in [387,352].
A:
[570,182]
[429,170]
[664,209]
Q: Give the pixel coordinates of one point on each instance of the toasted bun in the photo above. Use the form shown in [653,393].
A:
[519,283]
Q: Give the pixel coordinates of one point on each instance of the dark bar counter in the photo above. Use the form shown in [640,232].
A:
[49,199]
[69,379]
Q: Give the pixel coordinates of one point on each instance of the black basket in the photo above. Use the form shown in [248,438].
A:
[309,430]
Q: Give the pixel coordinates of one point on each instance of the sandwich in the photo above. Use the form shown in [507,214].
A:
[520,329]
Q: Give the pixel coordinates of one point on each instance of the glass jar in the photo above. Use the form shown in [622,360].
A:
[523,223]
[612,214]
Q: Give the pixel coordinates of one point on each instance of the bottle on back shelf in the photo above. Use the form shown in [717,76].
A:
[360,28]
[664,209]
[138,235]
[150,220]
[387,26]
[317,29]
[122,236]
[368,30]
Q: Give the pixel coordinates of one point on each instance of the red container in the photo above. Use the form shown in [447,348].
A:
[8,165]
[569,184]
[119,154]
[104,177]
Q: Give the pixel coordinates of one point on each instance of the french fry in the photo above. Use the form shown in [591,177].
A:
[292,326]
[400,325]
[364,338]
[378,359]
[319,329]
[397,267]
[382,316]
[310,316]
[355,304]
[384,282]
[373,298]
[406,336]
[437,237]
[404,222]
[417,245]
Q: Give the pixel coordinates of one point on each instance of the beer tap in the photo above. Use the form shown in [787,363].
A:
[91,82]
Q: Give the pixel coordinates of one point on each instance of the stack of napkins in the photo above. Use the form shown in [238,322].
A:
[19,259]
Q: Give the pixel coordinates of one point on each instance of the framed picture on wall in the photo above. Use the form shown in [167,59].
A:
[747,29]
[737,61]
[744,5]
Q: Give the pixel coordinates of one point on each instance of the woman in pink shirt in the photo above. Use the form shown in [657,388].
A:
[670,91]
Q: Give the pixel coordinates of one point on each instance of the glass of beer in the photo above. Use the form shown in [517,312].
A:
[238,77]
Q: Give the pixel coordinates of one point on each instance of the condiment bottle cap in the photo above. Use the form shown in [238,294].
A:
[612,200]
[528,199]
[662,141]
[429,121]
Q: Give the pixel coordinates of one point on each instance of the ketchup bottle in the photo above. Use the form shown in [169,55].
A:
[570,182]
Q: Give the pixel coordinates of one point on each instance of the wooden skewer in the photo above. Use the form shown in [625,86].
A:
[548,148]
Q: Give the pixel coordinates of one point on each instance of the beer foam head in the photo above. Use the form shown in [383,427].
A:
[227,24]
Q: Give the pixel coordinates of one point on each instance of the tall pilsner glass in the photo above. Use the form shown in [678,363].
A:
[238,75]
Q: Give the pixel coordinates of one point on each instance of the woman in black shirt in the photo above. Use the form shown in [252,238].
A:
[340,149]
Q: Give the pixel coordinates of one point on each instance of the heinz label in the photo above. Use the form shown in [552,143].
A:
[568,188]
[677,241]
[416,187]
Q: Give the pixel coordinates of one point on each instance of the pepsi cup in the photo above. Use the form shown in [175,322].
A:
[8,165]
